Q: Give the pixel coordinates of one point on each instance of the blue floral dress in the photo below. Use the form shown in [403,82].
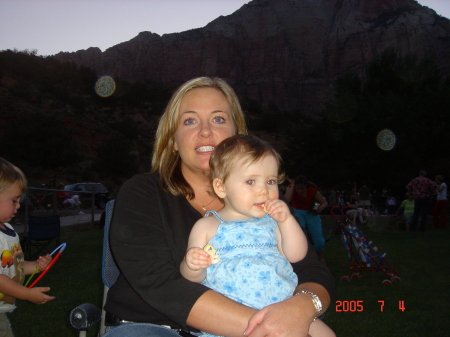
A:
[251,270]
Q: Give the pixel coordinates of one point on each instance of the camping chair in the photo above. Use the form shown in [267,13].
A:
[43,233]
[84,316]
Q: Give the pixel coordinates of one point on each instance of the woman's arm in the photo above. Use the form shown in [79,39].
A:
[148,238]
[291,317]
[322,201]
[289,192]
[219,315]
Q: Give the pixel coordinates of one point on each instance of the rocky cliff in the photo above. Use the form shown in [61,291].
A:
[287,52]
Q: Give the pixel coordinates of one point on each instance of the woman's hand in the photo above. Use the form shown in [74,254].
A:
[290,180]
[322,202]
[289,318]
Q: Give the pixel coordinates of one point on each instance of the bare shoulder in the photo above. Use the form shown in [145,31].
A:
[207,226]
[209,221]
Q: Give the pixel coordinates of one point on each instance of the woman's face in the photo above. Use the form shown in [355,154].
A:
[204,120]
[300,188]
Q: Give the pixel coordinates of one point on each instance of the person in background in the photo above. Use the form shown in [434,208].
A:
[421,189]
[440,208]
[354,211]
[373,210]
[364,198]
[13,269]
[308,203]
[333,198]
[407,207]
[70,200]
[254,236]
[153,216]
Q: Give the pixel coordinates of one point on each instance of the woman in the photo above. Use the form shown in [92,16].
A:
[353,210]
[308,203]
[154,214]
[440,208]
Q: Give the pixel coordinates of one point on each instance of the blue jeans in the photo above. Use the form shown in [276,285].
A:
[139,330]
[313,224]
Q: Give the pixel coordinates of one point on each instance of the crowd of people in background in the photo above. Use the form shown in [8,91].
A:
[423,197]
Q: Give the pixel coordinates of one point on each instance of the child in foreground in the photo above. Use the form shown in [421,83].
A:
[13,267]
[252,239]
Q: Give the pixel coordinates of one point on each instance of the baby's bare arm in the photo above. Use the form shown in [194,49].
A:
[291,239]
[193,267]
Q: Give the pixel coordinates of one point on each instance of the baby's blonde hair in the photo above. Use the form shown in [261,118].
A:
[9,174]
[239,147]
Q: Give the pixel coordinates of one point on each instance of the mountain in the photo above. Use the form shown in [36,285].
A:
[284,52]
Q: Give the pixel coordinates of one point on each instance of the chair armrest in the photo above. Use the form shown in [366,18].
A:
[84,316]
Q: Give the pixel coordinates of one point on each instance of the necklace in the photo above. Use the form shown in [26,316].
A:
[204,206]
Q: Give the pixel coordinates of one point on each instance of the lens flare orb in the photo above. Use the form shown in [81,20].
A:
[386,140]
[105,86]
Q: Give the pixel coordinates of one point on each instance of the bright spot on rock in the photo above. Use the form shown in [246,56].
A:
[105,86]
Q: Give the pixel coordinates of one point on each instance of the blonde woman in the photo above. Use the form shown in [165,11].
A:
[154,214]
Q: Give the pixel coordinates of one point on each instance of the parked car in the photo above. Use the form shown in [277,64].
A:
[101,196]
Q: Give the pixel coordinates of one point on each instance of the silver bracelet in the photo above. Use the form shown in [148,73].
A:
[316,302]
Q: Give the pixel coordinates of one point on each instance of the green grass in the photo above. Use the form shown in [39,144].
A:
[74,279]
[422,260]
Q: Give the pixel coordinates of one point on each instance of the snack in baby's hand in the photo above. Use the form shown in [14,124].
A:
[212,252]
[265,208]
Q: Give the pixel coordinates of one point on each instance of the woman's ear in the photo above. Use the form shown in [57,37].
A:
[219,188]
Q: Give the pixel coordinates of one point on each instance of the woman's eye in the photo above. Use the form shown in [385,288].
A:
[250,182]
[189,121]
[219,119]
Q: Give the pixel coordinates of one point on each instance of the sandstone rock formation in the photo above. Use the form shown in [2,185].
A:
[287,52]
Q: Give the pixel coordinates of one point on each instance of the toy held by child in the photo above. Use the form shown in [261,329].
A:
[254,236]
[13,267]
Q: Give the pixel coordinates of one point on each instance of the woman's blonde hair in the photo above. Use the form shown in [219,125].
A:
[9,174]
[247,147]
[165,160]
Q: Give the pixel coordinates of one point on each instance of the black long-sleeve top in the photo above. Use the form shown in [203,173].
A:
[148,237]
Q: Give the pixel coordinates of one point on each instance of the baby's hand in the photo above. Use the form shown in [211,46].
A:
[278,210]
[37,296]
[197,258]
[43,261]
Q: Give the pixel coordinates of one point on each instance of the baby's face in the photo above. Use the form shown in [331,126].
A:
[249,186]
[10,202]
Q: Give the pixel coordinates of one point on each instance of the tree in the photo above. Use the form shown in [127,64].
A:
[114,158]
[404,95]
